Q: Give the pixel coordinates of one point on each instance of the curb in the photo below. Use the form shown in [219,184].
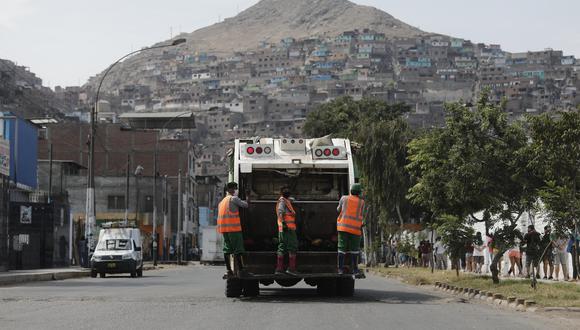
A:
[42,277]
[498,299]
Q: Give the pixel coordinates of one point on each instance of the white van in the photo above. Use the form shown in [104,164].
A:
[118,251]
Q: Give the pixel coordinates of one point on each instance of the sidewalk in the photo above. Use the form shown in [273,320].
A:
[35,275]
[56,274]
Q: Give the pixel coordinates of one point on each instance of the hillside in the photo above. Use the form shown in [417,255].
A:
[273,20]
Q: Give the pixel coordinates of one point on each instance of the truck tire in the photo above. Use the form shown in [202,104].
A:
[233,287]
[346,287]
[251,288]
[140,272]
[102,275]
[93,273]
[327,287]
[288,282]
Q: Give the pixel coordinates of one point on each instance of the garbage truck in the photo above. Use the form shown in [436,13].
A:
[318,172]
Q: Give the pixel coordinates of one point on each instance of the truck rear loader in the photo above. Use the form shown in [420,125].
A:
[318,172]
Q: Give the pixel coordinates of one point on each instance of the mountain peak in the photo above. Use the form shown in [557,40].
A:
[273,20]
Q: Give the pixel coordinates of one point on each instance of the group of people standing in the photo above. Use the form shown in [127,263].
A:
[349,228]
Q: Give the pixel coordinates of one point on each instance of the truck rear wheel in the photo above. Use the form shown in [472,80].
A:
[346,287]
[233,287]
[251,288]
[327,287]
[93,273]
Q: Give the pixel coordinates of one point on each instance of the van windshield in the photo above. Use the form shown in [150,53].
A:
[114,244]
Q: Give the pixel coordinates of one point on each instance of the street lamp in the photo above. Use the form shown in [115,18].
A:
[90,202]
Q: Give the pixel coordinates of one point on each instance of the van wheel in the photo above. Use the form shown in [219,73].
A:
[346,287]
[233,287]
[327,287]
[93,273]
[102,275]
[140,272]
[251,288]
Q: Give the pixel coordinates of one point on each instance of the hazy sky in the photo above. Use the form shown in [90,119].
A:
[66,41]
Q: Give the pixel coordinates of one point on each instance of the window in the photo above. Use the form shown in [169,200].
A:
[148,207]
[116,202]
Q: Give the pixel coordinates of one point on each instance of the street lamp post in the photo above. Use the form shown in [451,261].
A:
[90,202]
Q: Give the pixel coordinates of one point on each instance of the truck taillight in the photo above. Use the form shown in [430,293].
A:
[259,150]
[267,150]
[250,150]
[327,152]
[335,152]
[318,152]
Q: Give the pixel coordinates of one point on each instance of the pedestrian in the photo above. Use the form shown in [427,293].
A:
[230,226]
[532,241]
[440,254]
[171,252]
[515,257]
[83,252]
[560,255]
[469,266]
[349,226]
[426,252]
[571,248]
[478,252]
[546,246]
[287,238]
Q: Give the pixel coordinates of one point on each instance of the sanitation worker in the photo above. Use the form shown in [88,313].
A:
[348,225]
[287,239]
[229,225]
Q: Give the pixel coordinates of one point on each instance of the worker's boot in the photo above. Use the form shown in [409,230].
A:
[229,272]
[355,271]
[341,257]
[292,265]
[279,265]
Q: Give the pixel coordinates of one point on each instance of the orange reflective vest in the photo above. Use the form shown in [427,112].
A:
[228,221]
[289,217]
[351,216]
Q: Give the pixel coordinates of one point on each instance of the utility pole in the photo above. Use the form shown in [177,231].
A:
[50,173]
[165,212]
[155,202]
[127,183]
[179,209]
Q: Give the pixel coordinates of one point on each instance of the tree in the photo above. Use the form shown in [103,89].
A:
[383,136]
[555,158]
[471,166]
[455,234]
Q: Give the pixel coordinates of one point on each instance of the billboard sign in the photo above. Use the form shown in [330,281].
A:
[4,157]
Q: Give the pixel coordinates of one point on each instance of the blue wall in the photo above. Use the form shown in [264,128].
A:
[23,169]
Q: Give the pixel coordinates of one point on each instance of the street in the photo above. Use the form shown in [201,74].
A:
[192,297]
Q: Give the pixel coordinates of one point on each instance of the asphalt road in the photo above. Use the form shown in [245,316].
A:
[192,298]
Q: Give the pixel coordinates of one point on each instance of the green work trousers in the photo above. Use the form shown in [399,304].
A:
[348,243]
[287,242]
[233,243]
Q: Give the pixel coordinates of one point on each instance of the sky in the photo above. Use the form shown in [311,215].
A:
[66,41]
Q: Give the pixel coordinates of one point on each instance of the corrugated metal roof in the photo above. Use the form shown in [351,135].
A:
[146,115]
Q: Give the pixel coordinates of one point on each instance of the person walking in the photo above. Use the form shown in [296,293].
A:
[230,226]
[349,224]
[532,241]
[287,238]
[547,255]
[440,254]
[560,254]
[515,257]
[478,252]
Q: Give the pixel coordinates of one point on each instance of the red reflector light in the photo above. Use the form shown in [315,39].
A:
[318,152]
[259,150]
[267,150]
[327,152]
[250,150]
[335,152]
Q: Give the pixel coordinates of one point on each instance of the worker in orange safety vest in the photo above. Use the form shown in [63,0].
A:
[287,238]
[230,226]
[349,226]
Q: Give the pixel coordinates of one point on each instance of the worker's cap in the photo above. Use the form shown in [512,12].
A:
[232,185]
[356,188]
